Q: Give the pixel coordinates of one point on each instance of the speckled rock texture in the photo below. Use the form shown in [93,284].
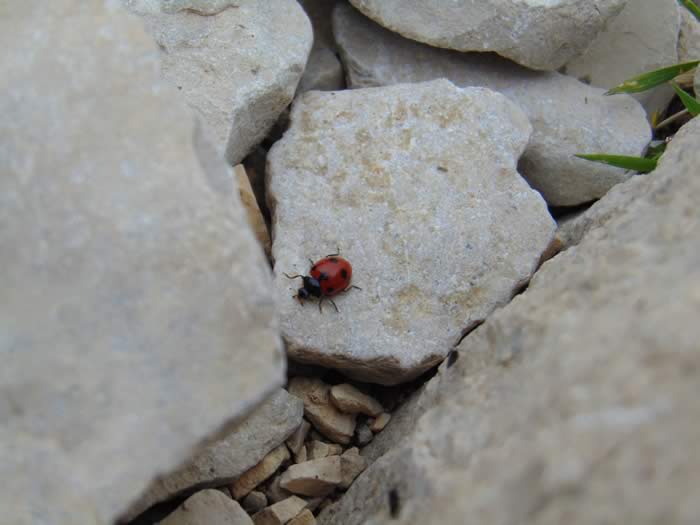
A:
[643,37]
[237,63]
[579,398]
[689,37]
[417,186]
[539,34]
[136,315]
[567,116]
[265,428]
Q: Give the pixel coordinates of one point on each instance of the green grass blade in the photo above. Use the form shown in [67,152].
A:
[692,7]
[690,103]
[652,78]
[639,164]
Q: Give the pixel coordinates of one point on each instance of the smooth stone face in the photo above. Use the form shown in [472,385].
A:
[136,312]
[222,462]
[208,507]
[417,186]
[317,477]
[568,117]
[576,399]
[539,34]
[689,37]
[323,72]
[238,67]
[260,472]
[643,37]
[697,83]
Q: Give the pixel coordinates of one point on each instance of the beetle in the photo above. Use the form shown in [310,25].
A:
[328,277]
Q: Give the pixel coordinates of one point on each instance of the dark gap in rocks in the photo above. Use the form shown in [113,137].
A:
[452,358]
[468,330]
[394,503]
[560,212]
[158,512]
[670,130]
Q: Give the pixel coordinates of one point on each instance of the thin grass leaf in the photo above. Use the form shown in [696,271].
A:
[653,78]
[692,7]
[639,164]
[690,103]
[654,151]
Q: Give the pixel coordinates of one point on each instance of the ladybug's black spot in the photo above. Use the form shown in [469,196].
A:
[333,260]
[344,273]
[330,289]
[323,276]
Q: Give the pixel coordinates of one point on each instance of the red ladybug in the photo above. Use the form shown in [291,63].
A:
[327,277]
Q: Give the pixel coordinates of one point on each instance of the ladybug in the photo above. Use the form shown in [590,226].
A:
[327,277]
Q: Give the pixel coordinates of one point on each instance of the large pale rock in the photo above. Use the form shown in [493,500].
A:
[577,399]
[135,314]
[236,62]
[417,184]
[208,507]
[535,33]
[568,117]
[643,37]
[689,36]
[224,461]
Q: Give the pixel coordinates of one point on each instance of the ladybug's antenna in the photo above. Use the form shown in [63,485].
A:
[293,276]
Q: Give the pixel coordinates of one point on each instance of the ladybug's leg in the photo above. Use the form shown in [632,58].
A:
[334,305]
[320,302]
[350,288]
[337,252]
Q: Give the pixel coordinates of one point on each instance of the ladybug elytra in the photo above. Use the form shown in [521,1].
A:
[327,277]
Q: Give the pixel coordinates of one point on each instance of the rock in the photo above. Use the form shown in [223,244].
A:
[129,335]
[319,449]
[296,441]
[224,461]
[302,455]
[305,518]
[536,34]
[568,117]
[689,37]
[324,72]
[260,472]
[574,399]
[280,513]
[351,466]
[349,399]
[238,66]
[320,13]
[363,434]
[254,502]
[313,478]
[274,492]
[407,171]
[697,82]
[318,408]
[253,213]
[643,37]
[380,422]
[208,507]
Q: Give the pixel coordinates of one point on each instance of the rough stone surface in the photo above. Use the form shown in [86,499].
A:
[406,171]
[689,37]
[363,434]
[351,466]
[129,329]
[380,422]
[260,472]
[643,37]
[579,398]
[319,449]
[253,213]
[224,461]
[324,72]
[313,478]
[302,455]
[349,399]
[296,440]
[274,492]
[254,502]
[280,513]
[568,116]
[305,518]
[208,507]
[535,33]
[237,63]
[318,408]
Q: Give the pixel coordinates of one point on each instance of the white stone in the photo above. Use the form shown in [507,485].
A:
[136,316]
[380,422]
[417,185]
[576,399]
[349,399]
[224,461]
[323,69]
[568,117]
[539,34]
[280,513]
[643,37]
[317,477]
[237,63]
[689,37]
[208,507]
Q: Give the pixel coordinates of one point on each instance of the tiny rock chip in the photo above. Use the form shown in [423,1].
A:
[380,422]
[363,434]
[254,502]
[281,512]
[351,465]
[319,449]
[349,399]
[302,455]
[305,518]
[208,507]
[296,440]
[313,478]
[274,492]
[260,472]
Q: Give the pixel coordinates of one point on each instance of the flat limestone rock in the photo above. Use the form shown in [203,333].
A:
[317,477]
[208,507]
[349,399]
[281,512]
[568,117]
[260,472]
[318,408]
[136,312]
[579,398]
[535,33]
[237,63]
[224,461]
[304,518]
[642,38]
[417,185]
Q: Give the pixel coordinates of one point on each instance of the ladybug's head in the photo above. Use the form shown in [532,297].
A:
[311,288]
